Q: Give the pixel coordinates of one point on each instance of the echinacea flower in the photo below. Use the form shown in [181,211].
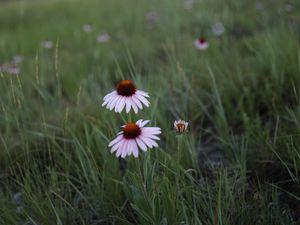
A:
[218,29]
[201,44]
[103,37]
[180,126]
[13,70]
[87,28]
[17,59]
[289,7]
[133,137]
[47,44]
[151,19]
[126,96]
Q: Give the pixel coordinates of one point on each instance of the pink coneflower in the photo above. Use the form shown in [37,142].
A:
[127,96]
[13,70]
[134,136]
[180,126]
[17,59]
[218,29]
[289,7]
[201,44]
[87,28]
[47,44]
[103,37]
[151,19]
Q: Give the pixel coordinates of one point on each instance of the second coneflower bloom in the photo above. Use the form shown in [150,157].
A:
[126,96]
[201,44]
[134,136]
[180,126]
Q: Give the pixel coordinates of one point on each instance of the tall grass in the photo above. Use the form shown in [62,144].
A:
[237,164]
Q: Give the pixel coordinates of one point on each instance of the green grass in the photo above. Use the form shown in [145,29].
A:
[240,97]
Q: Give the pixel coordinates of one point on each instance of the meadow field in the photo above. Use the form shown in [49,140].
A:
[230,68]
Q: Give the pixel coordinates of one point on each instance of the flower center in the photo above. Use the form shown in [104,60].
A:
[180,127]
[131,130]
[202,40]
[126,88]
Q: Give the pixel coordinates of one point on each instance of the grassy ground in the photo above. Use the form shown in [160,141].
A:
[239,162]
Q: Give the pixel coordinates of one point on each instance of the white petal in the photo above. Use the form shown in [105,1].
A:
[126,149]
[122,148]
[107,100]
[116,140]
[152,137]
[113,102]
[128,105]
[118,103]
[130,147]
[135,149]
[121,104]
[141,144]
[151,130]
[143,100]
[137,102]
[139,122]
[135,108]
[117,146]
[144,123]
[142,93]
[149,142]
[109,95]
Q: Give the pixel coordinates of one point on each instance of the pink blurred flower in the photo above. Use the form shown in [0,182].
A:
[87,28]
[103,37]
[13,70]
[17,59]
[47,44]
[218,29]
[201,44]
[151,19]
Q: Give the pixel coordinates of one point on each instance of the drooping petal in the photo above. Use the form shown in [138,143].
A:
[135,149]
[116,140]
[145,94]
[149,142]
[128,105]
[122,148]
[121,104]
[109,95]
[143,100]
[113,102]
[139,122]
[135,108]
[151,130]
[109,98]
[126,148]
[141,144]
[151,136]
[144,123]
[117,146]
[137,102]
[130,147]
[117,103]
